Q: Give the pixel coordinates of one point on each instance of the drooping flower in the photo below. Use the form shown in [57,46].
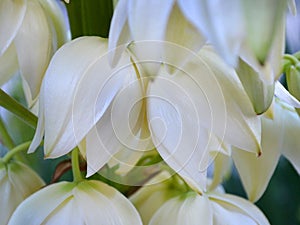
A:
[112,108]
[35,27]
[279,136]
[17,182]
[192,207]
[86,202]
[152,21]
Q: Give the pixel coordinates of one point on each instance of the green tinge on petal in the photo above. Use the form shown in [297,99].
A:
[260,93]
[34,47]
[112,205]
[34,210]
[187,209]
[242,121]
[293,81]
[8,64]
[154,194]
[17,182]
[260,35]
[240,205]
[11,17]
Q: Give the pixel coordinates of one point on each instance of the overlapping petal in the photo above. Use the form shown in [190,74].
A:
[88,85]
[36,33]
[82,203]
[11,17]
[17,182]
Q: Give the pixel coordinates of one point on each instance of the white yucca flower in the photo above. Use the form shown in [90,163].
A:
[30,32]
[83,203]
[17,182]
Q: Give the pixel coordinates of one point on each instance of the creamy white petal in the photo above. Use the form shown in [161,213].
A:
[26,213]
[285,96]
[8,64]
[180,210]
[290,128]
[34,46]
[241,120]
[176,124]
[80,73]
[225,31]
[292,7]
[56,12]
[148,22]
[260,36]
[183,33]
[11,17]
[17,182]
[238,204]
[113,207]
[223,216]
[148,19]
[119,32]
[120,126]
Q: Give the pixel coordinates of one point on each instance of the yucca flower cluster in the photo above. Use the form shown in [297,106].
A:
[150,119]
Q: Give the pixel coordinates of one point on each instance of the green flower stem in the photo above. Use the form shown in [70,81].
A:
[14,151]
[16,108]
[77,177]
[5,137]
[297,55]
[291,58]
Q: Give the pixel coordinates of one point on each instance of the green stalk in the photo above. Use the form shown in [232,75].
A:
[77,177]
[14,151]
[16,108]
[5,137]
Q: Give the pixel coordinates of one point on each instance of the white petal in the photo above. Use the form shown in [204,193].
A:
[80,73]
[176,125]
[104,201]
[241,205]
[11,17]
[148,19]
[292,7]
[148,22]
[24,179]
[290,127]
[119,33]
[189,37]
[34,37]
[222,216]
[285,96]
[242,121]
[191,210]
[260,36]
[57,14]
[66,213]
[120,127]
[26,213]
[8,64]
[225,31]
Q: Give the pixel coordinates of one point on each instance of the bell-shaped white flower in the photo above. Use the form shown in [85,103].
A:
[120,107]
[17,182]
[237,27]
[170,203]
[152,21]
[35,27]
[86,202]
[279,136]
